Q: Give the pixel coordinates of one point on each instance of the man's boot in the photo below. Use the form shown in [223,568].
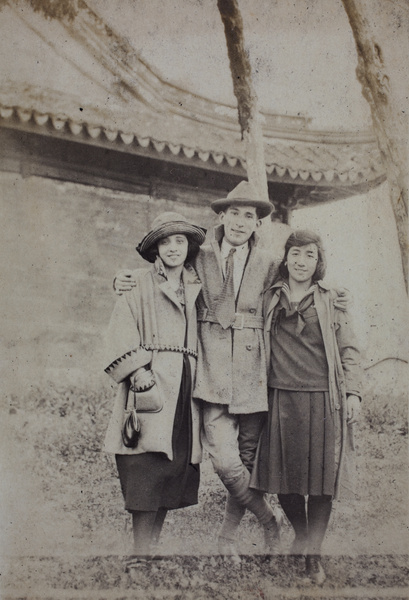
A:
[233,514]
[272,533]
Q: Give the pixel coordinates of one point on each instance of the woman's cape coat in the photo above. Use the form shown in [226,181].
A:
[343,359]
[152,314]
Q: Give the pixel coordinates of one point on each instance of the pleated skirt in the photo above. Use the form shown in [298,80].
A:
[151,481]
[296,452]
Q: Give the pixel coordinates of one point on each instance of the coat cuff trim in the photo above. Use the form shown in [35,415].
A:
[127,363]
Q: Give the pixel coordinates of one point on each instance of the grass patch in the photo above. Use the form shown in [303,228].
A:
[55,439]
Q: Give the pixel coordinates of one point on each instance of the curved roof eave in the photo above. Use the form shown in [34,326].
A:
[150,116]
[349,163]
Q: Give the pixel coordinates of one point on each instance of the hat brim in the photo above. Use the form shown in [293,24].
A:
[195,233]
[264,208]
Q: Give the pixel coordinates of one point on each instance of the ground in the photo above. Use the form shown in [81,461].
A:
[65,527]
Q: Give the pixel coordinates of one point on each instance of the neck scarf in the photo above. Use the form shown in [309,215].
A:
[286,308]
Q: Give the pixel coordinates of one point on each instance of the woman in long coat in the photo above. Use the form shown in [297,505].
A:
[152,340]
[307,449]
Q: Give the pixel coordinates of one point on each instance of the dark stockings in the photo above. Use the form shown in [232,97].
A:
[310,525]
[319,512]
[294,507]
[147,526]
[157,526]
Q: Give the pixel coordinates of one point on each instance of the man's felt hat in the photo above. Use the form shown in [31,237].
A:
[169,223]
[243,194]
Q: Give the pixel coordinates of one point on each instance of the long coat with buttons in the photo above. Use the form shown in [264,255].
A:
[152,314]
[231,367]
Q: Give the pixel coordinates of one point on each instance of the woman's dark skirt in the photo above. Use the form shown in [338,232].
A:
[151,481]
[296,453]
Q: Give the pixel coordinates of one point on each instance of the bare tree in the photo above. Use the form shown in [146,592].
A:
[389,122]
[388,116]
[246,96]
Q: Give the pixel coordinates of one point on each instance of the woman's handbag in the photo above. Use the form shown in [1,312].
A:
[131,429]
[145,400]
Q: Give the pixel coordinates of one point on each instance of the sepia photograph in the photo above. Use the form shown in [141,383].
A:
[205,318]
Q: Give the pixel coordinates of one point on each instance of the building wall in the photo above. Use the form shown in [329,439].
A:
[62,243]
[61,246]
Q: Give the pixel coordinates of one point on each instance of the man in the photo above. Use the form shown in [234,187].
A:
[231,371]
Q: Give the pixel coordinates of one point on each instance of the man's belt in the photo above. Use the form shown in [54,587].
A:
[241,320]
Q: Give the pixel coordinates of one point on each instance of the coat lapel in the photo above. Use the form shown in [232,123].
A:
[159,275]
[270,301]
[192,288]
[218,258]
[323,306]
[166,289]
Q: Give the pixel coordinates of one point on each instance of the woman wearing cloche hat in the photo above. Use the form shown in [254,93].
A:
[152,342]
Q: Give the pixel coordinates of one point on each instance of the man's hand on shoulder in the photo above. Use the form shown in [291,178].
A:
[124,281]
[344,299]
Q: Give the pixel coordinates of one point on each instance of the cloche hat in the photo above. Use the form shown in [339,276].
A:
[244,194]
[169,223]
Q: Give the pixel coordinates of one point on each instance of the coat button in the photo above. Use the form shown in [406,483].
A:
[252,311]
[249,347]
[337,407]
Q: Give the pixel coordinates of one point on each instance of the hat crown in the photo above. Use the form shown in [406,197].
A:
[168,217]
[244,194]
[167,224]
[244,190]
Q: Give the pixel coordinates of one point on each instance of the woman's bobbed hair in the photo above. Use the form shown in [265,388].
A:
[303,237]
[192,250]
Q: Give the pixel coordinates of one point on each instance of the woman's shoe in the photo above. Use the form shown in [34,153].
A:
[314,568]
[135,562]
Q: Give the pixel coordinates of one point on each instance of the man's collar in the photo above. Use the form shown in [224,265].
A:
[226,247]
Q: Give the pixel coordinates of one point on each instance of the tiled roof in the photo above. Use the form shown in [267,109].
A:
[148,115]
[315,158]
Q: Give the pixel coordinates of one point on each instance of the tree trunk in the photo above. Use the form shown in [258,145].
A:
[380,87]
[240,67]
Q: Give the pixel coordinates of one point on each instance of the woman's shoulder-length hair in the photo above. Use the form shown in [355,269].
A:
[303,237]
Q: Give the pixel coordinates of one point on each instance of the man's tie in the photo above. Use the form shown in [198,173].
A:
[226,305]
